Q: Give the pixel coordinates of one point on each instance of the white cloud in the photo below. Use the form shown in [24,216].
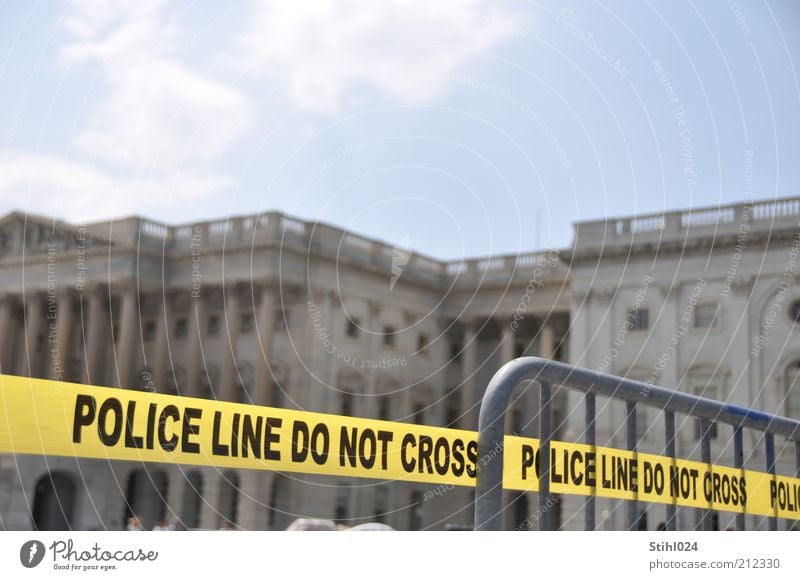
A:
[78,192]
[406,49]
[155,113]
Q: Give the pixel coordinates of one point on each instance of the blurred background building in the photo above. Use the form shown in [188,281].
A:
[272,310]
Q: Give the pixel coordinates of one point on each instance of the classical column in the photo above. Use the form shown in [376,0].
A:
[253,513]
[546,343]
[161,359]
[374,336]
[266,329]
[34,319]
[128,335]
[6,319]
[65,321]
[95,336]
[197,333]
[470,400]
[176,487]
[231,347]
[506,342]
[209,510]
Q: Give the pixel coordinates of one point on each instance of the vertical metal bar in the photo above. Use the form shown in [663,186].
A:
[738,463]
[797,458]
[770,444]
[796,525]
[591,441]
[545,435]
[705,450]
[669,429]
[633,505]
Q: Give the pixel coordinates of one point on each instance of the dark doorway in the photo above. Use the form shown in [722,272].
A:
[54,502]
[146,497]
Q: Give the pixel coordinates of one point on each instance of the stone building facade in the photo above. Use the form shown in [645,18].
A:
[276,311]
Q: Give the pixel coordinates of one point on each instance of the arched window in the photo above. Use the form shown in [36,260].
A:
[229,497]
[54,502]
[415,511]
[279,503]
[146,497]
[342,503]
[520,511]
[192,500]
[793,390]
[381,502]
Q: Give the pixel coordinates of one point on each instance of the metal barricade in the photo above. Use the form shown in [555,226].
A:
[491,423]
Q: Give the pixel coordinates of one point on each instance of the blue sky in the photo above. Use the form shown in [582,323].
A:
[460,128]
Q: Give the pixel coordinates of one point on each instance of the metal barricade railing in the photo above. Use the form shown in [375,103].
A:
[489,491]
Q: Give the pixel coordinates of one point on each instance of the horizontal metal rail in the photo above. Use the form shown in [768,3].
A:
[489,491]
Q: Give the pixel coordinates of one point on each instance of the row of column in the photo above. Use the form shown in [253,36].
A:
[54,318]
[472,393]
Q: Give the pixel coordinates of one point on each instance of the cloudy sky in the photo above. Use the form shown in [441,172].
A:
[457,127]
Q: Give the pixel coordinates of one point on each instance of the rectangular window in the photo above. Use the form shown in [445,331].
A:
[352,328]
[452,409]
[383,407]
[415,511]
[638,318]
[181,327]
[381,503]
[388,335]
[698,430]
[346,405]
[342,501]
[248,323]
[422,342]
[705,316]
[213,325]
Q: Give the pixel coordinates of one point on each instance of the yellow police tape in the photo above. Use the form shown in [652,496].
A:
[55,418]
